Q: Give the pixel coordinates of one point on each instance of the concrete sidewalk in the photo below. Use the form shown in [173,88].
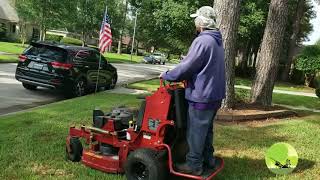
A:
[6,53]
[282,92]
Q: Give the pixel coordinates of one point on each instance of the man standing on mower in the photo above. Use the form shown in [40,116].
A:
[204,71]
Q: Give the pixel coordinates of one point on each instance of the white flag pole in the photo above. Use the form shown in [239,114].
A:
[99,67]
[134,33]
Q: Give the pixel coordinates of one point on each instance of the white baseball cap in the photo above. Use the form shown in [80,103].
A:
[205,17]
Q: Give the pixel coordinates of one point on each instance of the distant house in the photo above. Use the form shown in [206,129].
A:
[63,33]
[66,33]
[9,23]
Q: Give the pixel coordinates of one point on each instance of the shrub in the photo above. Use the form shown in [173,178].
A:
[309,62]
[297,77]
[72,41]
[52,37]
[318,92]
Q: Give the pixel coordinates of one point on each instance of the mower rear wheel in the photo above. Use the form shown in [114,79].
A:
[75,150]
[145,164]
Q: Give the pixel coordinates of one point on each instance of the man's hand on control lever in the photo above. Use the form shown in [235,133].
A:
[161,75]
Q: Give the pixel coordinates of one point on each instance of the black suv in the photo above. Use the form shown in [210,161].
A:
[72,69]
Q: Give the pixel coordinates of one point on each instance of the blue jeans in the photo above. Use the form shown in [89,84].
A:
[200,137]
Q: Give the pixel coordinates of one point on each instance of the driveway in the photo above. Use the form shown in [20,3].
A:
[13,97]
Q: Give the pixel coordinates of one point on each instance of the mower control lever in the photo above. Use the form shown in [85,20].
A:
[99,130]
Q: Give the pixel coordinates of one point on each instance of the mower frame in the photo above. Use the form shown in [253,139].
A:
[150,134]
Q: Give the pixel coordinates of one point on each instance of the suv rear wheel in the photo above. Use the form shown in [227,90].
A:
[77,90]
[113,83]
[29,86]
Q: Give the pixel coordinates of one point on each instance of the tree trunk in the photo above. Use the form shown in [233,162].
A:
[300,10]
[254,61]
[269,55]
[122,27]
[137,47]
[44,34]
[244,56]
[228,17]
[120,43]
[22,32]
[83,39]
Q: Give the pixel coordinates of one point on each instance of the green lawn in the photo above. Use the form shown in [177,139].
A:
[33,142]
[14,48]
[150,85]
[122,58]
[285,99]
[279,86]
[8,58]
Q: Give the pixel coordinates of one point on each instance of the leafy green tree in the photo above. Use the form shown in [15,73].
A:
[309,62]
[252,24]
[45,13]
[299,26]
[253,17]
[25,16]
[84,18]
[166,24]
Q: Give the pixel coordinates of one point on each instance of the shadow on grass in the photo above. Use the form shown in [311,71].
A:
[304,164]
[245,137]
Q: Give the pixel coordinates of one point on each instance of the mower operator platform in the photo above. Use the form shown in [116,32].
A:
[143,145]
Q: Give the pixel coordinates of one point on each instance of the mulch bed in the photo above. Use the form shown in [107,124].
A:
[251,112]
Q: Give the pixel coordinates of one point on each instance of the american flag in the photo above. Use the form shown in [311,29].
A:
[105,39]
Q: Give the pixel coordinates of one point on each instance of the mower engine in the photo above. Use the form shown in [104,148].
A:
[143,145]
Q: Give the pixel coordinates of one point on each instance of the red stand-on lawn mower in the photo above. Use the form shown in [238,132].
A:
[145,147]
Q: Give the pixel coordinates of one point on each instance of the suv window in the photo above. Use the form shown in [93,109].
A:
[81,55]
[94,57]
[87,55]
[51,53]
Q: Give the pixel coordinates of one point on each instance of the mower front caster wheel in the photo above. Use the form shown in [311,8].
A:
[145,164]
[75,152]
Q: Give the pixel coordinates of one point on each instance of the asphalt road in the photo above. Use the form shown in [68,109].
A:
[13,97]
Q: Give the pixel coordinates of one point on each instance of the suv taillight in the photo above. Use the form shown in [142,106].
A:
[22,58]
[58,65]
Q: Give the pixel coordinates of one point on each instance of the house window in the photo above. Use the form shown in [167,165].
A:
[2,27]
[13,28]
[2,31]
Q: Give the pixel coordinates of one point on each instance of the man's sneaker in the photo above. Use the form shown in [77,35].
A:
[185,168]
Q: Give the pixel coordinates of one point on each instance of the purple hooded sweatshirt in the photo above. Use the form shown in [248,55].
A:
[204,70]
